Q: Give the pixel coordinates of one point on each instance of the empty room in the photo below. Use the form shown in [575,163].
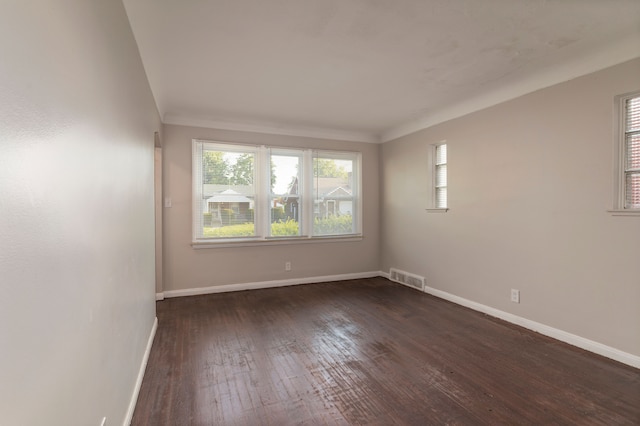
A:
[349,212]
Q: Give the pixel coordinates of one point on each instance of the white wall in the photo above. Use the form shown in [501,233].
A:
[186,268]
[77,121]
[530,182]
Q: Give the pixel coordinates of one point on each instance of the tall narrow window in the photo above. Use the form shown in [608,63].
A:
[437,193]
[632,153]
[441,177]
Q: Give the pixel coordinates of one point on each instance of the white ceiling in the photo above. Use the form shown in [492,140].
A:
[368,70]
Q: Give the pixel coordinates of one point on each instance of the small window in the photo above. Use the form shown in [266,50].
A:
[628,154]
[438,172]
[441,176]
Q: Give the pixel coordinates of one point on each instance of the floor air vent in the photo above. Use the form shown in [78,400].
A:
[407,279]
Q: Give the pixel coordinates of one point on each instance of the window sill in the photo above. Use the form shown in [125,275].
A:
[197,245]
[624,212]
[437,210]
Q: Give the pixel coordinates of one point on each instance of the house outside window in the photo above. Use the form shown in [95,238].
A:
[252,193]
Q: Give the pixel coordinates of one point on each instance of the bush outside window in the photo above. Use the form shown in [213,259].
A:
[244,192]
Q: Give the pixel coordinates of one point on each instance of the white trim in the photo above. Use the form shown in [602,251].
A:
[563,336]
[572,339]
[159,296]
[620,156]
[273,241]
[269,284]
[143,367]
[624,212]
[432,170]
[274,129]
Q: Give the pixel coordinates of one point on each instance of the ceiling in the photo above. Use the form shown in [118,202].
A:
[366,70]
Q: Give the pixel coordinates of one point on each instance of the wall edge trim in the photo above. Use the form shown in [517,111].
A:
[268,284]
[555,333]
[141,371]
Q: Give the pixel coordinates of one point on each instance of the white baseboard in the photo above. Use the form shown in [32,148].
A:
[572,339]
[143,367]
[563,336]
[267,284]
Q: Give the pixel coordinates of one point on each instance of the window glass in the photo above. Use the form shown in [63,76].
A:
[250,192]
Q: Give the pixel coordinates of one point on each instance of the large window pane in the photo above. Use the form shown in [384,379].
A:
[334,193]
[286,189]
[228,193]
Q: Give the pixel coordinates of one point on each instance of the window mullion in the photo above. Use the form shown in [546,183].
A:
[197,185]
[306,194]
[261,207]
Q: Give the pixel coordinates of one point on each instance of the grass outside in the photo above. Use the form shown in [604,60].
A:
[334,225]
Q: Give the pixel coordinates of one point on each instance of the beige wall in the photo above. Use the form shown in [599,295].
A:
[186,268]
[77,121]
[530,182]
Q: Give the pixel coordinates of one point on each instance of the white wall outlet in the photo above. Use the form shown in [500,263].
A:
[167,202]
[287,266]
[515,295]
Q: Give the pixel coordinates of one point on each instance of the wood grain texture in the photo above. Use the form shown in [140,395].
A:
[366,352]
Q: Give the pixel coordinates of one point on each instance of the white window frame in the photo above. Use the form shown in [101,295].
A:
[620,154]
[263,196]
[432,167]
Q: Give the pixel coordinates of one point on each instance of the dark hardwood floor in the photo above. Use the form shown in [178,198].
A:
[368,352]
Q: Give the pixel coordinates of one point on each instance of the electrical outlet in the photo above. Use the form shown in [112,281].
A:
[515,295]
[287,266]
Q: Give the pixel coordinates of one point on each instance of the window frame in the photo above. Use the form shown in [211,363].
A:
[620,157]
[432,167]
[264,196]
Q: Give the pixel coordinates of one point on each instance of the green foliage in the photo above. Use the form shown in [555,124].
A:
[333,225]
[277,214]
[214,167]
[242,170]
[326,167]
[285,229]
[242,230]
[207,219]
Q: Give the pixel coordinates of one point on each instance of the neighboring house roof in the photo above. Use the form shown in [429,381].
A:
[212,189]
[326,187]
[338,192]
[228,196]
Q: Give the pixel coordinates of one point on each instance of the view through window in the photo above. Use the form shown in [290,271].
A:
[249,192]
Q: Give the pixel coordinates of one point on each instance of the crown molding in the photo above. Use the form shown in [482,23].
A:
[274,129]
[610,55]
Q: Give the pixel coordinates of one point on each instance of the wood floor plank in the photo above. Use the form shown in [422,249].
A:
[367,352]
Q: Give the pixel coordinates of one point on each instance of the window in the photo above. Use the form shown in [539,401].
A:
[441,176]
[438,171]
[255,193]
[628,150]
